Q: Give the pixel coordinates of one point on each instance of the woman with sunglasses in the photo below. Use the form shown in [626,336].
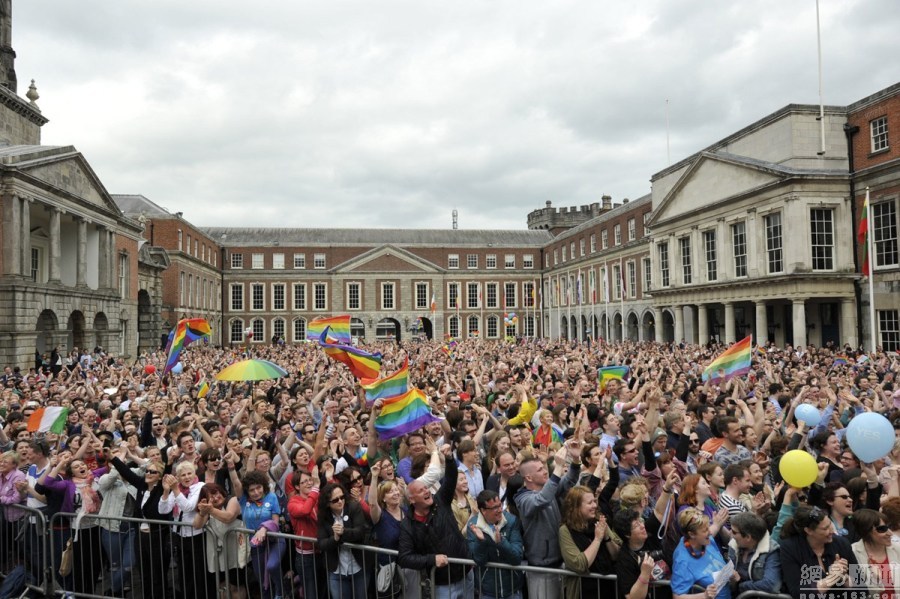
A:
[342,520]
[754,554]
[154,540]
[215,469]
[813,558]
[877,550]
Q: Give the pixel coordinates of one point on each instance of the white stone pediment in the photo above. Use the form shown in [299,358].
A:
[67,170]
[387,258]
[712,180]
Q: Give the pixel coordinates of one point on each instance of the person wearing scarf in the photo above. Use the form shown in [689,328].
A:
[179,498]
[586,545]
[494,535]
[261,512]
[545,435]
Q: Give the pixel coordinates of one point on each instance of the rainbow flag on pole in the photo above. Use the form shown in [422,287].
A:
[389,386]
[338,328]
[185,332]
[735,361]
[51,419]
[608,373]
[403,414]
[362,364]
[203,389]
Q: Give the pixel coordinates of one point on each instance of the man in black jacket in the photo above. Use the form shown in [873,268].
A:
[430,536]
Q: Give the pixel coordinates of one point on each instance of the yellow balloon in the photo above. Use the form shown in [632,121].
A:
[798,469]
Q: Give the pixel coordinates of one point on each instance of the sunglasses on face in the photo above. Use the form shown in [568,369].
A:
[337,500]
[309,432]
[882,528]
[152,472]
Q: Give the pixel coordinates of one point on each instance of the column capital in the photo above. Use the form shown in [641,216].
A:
[53,209]
[801,300]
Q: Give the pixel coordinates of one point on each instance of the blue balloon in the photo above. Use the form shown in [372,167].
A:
[870,436]
[808,414]
[178,368]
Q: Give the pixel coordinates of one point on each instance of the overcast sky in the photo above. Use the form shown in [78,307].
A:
[392,113]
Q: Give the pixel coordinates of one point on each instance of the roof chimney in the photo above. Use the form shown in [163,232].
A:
[607,202]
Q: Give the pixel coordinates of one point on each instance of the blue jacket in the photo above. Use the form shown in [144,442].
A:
[765,566]
[498,582]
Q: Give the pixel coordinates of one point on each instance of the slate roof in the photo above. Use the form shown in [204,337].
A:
[256,237]
[611,214]
[136,204]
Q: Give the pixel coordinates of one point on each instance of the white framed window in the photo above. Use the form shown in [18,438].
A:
[555,256]
[509,295]
[179,240]
[528,326]
[236,328]
[490,295]
[604,239]
[299,296]
[453,261]
[490,261]
[278,328]
[453,326]
[821,222]
[471,260]
[353,296]
[631,273]
[617,234]
[528,261]
[564,253]
[593,242]
[123,270]
[739,248]
[319,261]
[473,295]
[510,330]
[278,261]
[299,329]
[774,243]
[388,300]
[663,252]
[196,252]
[259,330]
[648,275]
[320,296]
[453,296]
[187,247]
[237,261]
[237,297]
[509,261]
[299,261]
[528,294]
[190,291]
[884,233]
[422,299]
[684,246]
[472,327]
[493,330]
[572,249]
[889,329]
[709,249]
[257,261]
[617,283]
[278,292]
[632,229]
[878,129]
[581,247]
[257,296]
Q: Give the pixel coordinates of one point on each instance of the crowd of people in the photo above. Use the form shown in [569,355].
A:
[534,471]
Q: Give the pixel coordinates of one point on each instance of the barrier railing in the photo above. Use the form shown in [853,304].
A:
[23,549]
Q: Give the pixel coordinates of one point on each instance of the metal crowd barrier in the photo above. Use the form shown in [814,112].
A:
[23,549]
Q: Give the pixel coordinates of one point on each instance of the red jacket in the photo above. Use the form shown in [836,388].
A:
[304,519]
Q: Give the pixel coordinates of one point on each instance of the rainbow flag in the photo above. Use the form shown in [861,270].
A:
[203,389]
[449,347]
[185,332]
[389,386]
[609,373]
[404,414]
[735,361]
[542,437]
[362,364]
[839,361]
[338,328]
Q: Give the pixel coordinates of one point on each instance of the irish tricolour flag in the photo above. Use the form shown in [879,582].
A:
[52,419]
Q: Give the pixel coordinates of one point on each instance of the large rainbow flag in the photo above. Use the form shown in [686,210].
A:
[338,328]
[395,384]
[609,373]
[362,364]
[735,361]
[185,332]
[404,414]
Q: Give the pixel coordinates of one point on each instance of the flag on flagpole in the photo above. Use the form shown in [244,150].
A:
[862,236]
[50,419]
[433,303]
[735,361]
[395,384]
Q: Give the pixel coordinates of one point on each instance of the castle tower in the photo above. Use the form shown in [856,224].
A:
[7,54]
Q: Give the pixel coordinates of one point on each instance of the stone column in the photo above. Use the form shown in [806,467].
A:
[702,324]
[26,237]
[81,264]
[103,273]
[799,317]
[679,323]
[729,322]
[12,227]
[762,324]
[848,322]
[112,258]
[55,244]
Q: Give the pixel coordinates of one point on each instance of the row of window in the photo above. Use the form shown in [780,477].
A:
[258,262]
[200,251]
[588,287]
[569,252]
[197,292]
[822,244]
[477,295]
[490,261]
[492,328]
[878,130]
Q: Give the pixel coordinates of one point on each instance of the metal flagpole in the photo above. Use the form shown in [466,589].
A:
[622,298]
[870,242]
[481,326]
[606,296]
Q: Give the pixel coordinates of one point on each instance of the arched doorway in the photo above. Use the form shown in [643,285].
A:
[75,328]
[574,329]
[357,328]
[586,330]
[668,327]
[564,330]
[146,335]
[631,330]
[425,327]
[605,332]
[616,332]
[388,329]
[101,327]
[47,324]
[648,326]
